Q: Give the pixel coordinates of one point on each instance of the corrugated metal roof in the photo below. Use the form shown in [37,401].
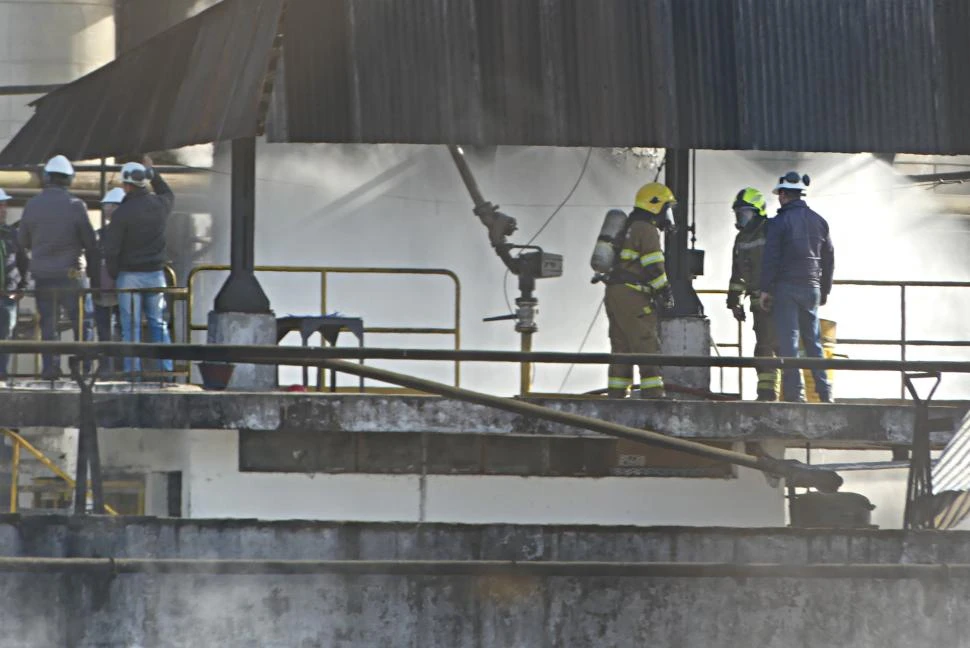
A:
[201,80]
[826,75]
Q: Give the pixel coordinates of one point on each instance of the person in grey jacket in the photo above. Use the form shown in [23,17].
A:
[56,230]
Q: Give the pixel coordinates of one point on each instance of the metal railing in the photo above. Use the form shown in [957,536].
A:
[903,343]
[19,443]
[324,272]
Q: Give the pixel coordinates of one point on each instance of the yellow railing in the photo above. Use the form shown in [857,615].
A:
[20,442]
[324,272]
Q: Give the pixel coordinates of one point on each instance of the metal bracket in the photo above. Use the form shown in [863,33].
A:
[88,453]
[919,488]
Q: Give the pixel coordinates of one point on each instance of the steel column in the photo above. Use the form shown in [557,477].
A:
[676,245]
[242,293]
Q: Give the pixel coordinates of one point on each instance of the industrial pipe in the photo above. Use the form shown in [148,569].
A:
[300,356]
[484,568]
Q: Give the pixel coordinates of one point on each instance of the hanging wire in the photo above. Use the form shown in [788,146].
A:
[579,178]
[693,199]
[582,344]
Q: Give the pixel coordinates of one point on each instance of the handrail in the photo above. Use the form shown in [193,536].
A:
[324,272]
[20,442]
[903,343]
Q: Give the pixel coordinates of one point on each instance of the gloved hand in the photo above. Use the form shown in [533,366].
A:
[824,299]
[733,300]
[665,298]
[739,313]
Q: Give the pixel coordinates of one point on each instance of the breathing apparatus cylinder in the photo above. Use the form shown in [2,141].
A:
[604,252]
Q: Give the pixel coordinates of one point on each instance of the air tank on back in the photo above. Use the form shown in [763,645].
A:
[604,252]
[49,42]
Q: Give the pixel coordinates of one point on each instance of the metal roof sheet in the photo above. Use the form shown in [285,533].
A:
[827,75]
[199,81]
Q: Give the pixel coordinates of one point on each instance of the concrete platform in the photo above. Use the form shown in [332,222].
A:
[825,426]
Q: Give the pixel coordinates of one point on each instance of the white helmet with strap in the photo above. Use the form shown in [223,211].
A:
[4,196]
[791,181]
[113,197]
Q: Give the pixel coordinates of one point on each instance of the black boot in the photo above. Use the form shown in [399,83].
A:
[767,395]
[616,393]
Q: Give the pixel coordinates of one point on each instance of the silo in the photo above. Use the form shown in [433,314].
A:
[49,42]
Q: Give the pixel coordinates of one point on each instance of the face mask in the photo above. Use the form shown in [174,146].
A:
[665,220]
[743,216]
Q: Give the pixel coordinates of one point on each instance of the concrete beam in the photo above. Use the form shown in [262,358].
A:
[836,426]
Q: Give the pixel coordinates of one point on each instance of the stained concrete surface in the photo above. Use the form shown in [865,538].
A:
[327,610]
[840,425]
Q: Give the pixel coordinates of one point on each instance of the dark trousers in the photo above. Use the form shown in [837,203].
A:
[53,297]
[8,320]
[108,325]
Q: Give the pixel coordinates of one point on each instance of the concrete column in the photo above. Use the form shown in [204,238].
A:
[686,336]
[245,328]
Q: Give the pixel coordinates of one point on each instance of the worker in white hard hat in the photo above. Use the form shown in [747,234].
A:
[796,278]
[135,254]
[106,318]
[64,254]
[13,278]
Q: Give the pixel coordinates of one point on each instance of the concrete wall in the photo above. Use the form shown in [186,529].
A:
[527,610]
[454,612]
[46,42]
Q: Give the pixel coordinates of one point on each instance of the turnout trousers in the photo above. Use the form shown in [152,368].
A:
[633,329]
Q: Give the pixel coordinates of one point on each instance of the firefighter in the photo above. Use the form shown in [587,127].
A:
[749,245]
[636,286]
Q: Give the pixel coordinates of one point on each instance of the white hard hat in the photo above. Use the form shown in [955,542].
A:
[114,196]
[59,164]
[134,173]
[792,181]
[4,196]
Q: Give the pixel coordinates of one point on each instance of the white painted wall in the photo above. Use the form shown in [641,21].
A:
[49,41]
[214,487]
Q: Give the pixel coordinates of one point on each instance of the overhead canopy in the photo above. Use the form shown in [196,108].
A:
[829,75]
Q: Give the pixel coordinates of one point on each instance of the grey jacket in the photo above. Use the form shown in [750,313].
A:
[55,228]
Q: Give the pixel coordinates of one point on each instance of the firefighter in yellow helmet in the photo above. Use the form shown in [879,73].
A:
[636,286]
[749,246]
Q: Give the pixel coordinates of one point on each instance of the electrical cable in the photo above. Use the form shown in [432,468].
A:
[582,344]
[579,178]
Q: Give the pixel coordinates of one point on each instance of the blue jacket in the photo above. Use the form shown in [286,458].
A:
[798,249]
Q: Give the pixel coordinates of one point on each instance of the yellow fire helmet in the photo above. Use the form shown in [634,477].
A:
[653,197]
[750,197]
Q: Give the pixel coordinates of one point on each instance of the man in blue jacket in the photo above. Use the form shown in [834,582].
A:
[796,278]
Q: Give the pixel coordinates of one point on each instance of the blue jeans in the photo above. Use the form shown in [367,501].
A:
[130,308]
[54,295]
[796,316]
[8,320]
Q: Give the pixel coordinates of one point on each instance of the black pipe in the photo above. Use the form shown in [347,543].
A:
[242,293]
[310,356]
[536,568]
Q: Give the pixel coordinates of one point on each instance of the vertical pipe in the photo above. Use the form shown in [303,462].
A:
[242,293]
[525,368]
[14,476]
[902,336]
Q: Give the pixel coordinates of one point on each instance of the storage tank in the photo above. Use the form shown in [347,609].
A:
[49,42]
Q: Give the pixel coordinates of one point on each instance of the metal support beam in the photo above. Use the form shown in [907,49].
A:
[242,293]
[676,246]
[88,452]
